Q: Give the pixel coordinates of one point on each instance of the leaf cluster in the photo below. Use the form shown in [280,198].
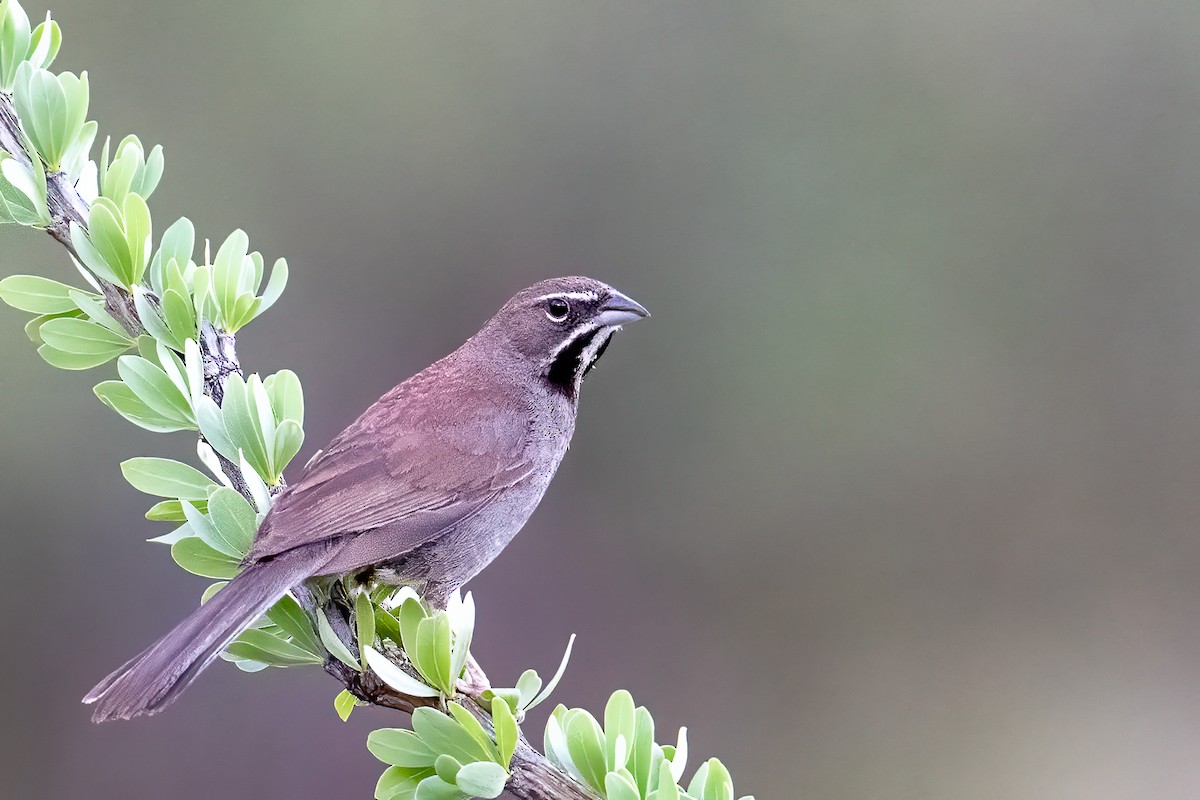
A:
[621,761]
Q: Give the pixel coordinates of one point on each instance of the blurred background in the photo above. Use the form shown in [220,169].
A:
[895,497]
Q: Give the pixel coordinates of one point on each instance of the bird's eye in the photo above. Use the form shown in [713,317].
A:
[557,309]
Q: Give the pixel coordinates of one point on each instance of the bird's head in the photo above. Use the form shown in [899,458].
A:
[561,327]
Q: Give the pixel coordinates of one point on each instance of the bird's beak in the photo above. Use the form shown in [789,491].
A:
[619,310]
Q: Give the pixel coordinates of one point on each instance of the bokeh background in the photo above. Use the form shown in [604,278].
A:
[895,497]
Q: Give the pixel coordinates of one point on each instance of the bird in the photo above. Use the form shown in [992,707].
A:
[424,489]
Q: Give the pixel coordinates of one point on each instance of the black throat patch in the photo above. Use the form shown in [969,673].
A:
[568,367]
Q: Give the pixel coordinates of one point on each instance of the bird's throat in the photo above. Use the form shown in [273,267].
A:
[576,359]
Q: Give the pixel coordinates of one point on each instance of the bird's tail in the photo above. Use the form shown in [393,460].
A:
[158,675]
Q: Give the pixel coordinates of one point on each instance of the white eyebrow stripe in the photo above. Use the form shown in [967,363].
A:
[568,296]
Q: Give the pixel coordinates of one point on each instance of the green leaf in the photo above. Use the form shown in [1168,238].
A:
[64,360]
[36,295]
[528,686]
[286,395]
[618,787]
[666,788]
[151,384]
[242,425]
[83,337]
[434,788]
[618,722]
[266,648]
[44,44]
[166,511]
[553,684]
[121,399]
[507,732]
[364,622]
[227,275]
[443,734]
[446,767]
[179,316]
[641,756]
[344,703]
[400,783]
[22,194]
[386,626]
[471,725]
[234,519]
[395,677]
[14,41]
[292,620]
[712,782]
[138,233]
[199,559]
[482,779]
[333,644]
[163,477]
[410,616]
[289,437]
[432,657]
[585,743]
[212,590]
[275,286]
[401,748]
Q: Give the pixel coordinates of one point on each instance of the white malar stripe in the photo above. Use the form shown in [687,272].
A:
[581,330]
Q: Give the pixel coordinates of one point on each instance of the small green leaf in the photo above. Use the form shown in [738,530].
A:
[151,384]
[585,743]
[386,626]
[120,398]
[641,755]
[82,337]
[36,295]
[528,686]
[234,519]
[364,622]
[434,788]
[333,644]
[482,779]
[166,478]
[471,725]
[666,788]
[446,767]
[266,648]
[432,657]
[443,734]
[291,618]
[199,559]
[166,511]
[507,732]
[286,395]
[401,748]
[619,721]
[618,787]
[289,437]
[400,783]
[410,616]
[344,703]
[395,677]
[553,684]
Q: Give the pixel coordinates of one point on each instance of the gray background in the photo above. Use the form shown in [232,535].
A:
[895,496]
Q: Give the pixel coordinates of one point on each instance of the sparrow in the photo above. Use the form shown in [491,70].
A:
[424,489]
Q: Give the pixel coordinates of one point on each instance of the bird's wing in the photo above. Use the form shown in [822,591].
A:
[401,462]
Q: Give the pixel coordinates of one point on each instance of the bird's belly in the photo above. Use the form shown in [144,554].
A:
[457,554]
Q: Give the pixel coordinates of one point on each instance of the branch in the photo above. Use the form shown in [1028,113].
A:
[533,777]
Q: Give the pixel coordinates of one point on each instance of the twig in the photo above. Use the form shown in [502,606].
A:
[533,776]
